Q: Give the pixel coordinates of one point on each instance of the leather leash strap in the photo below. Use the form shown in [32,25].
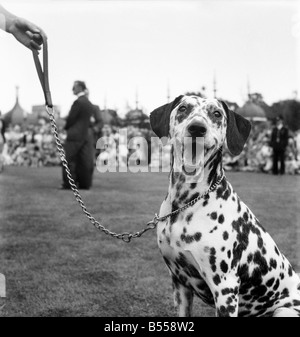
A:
[43,72]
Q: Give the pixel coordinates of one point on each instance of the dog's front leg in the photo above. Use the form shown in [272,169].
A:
[226,298]
[183,298]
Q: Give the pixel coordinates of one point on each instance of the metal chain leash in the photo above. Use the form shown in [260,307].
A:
[126,237]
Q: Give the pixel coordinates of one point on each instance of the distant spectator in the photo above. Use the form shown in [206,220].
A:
[279,142]
[79,144]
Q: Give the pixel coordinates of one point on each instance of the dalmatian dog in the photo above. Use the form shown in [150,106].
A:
[216,248]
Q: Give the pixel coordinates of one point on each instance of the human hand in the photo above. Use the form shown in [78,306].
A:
[26,33]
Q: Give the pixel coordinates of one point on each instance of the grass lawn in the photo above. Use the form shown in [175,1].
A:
[57,264]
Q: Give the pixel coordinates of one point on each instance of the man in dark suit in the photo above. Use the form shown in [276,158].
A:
[79,144]
[279,142]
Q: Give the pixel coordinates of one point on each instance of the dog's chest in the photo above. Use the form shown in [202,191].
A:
[206,222]
[190,241]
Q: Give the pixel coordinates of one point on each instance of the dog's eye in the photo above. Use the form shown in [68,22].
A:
[183,108]
[217,114]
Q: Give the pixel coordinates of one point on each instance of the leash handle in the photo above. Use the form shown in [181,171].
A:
[43,72]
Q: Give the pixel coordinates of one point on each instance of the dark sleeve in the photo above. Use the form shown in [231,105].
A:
[272,140]
[286,137]
[73,115]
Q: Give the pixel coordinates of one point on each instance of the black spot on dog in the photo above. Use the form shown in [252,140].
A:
[259,291]
[212,259]
[214,215]
[187,238]
[256,277]
[213,168]
[229,300]
[223,192]
[290,270]
[245,313]
[214,229]
[221,218]
[183,196]
[261,262]
[226,291]
[225,235]
[224,266]
[229,253]
[260,242]
[191,271]
[250,257]
[197,236]
[263,299]
[206,199]
[285,293]
[243,272]
[216,279]
[182,279]
[191,238]
[193,185]
[226,311]
[296,302]
[181,260]
[189,217]
[270,282]
[174,217]
[276,285]
[239,205]
[273,263]
[247,297]
[276,251]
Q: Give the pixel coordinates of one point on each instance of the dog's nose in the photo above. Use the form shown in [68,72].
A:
[197,130]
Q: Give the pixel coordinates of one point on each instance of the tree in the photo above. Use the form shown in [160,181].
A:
[291,114]
[289,110]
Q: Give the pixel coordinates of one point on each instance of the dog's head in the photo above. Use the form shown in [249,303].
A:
[207,122]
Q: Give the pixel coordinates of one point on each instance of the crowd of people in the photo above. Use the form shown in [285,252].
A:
[258,154]
[32,147]
[35,147]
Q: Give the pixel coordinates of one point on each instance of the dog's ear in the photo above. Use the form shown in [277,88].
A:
[160,118]
[238,130]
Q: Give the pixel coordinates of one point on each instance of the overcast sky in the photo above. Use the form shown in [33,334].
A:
[123,47]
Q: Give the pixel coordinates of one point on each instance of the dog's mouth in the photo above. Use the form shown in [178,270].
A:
[194,153]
